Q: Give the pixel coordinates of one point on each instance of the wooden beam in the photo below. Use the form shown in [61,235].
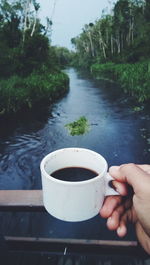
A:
[63,245]
[21,200]
[107,243]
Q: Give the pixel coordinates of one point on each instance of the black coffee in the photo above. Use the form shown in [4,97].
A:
[74,174]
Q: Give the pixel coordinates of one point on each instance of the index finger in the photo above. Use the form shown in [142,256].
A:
[131,174]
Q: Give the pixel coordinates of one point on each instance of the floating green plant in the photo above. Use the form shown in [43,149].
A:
[148,140]
[137,108]
[79,127]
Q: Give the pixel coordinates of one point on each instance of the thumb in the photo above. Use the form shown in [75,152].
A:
[132,174]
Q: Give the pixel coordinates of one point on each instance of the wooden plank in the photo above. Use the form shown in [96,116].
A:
[111,243]
[74,246]
[17,200]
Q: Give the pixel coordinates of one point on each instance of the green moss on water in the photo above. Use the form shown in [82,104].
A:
[79,127]
[138,109]
[148,140]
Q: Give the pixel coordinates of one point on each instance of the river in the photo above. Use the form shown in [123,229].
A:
[118,132]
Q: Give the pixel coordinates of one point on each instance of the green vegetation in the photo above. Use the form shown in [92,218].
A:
[117,46]
[79,127]
[64,56]
[137,108]
[134,78]
[30,66]
[17,92]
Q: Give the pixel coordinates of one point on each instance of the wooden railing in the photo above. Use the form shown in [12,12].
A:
[21,200]
[31,200]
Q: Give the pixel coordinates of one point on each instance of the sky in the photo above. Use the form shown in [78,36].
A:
[70,16]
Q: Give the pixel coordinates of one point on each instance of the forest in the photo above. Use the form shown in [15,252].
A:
[117,47]
[30,65]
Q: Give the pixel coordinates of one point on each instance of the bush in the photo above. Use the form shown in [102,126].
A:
[134,78]
[17,93]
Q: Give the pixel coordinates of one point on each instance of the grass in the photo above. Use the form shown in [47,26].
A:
[79,127]
[134,78]
[17,93]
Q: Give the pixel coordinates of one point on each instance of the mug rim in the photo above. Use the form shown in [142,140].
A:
[72,183]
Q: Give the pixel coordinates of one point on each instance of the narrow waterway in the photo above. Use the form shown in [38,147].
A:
[118,132]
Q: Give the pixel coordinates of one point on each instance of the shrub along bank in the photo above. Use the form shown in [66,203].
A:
[134,78]
[17,93]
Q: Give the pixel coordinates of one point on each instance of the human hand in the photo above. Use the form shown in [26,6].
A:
[120,210]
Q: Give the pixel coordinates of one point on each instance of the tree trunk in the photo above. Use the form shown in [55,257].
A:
[132,32]
[102,44]
[112,45]
[26,12]
[34,24]
[118,43]
[91,44]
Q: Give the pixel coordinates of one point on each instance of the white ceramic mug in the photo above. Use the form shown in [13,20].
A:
[75,201]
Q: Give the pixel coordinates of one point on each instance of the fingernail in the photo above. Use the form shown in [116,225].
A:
[113,169]
[110,220]
[119,230]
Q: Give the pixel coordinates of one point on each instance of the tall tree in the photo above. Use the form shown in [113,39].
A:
[122,36]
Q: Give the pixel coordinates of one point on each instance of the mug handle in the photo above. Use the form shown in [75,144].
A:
[108,189]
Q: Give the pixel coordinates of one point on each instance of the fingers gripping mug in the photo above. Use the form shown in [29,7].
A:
[75,200]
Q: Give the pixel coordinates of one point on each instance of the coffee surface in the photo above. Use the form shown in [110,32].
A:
[74,174]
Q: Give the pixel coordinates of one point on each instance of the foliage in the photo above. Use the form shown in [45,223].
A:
[24,46]
[63,56]
[117,46]
[122,36]
[134,78]
[17,92]
[105,71]
[138,108]
[30,71]
[78,127]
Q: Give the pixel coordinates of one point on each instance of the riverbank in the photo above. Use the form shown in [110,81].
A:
[133,78]
[17,93]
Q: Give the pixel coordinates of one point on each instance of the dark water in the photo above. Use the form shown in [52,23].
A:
[117,132]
